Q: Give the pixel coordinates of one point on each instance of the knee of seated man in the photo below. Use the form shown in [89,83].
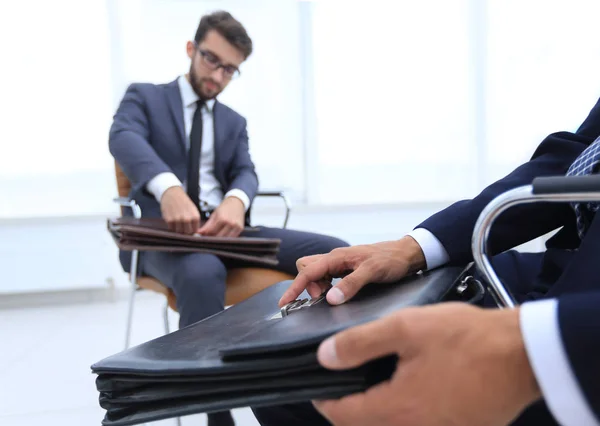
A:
[327,244]
[197,268]
[320,244]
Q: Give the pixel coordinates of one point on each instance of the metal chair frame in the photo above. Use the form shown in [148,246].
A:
[555,189]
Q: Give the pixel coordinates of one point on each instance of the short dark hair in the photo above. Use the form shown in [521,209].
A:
[229,27]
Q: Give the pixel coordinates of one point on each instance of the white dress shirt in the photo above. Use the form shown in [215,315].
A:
[211,193]
[543,343]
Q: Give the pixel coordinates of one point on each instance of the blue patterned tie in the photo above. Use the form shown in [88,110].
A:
[586,164]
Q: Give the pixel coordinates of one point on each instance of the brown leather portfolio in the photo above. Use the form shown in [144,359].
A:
[150,234]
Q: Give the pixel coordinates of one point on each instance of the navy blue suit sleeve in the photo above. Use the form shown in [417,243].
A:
[241,171]
[454,226]
[579,321]
[128,140]
[591,126]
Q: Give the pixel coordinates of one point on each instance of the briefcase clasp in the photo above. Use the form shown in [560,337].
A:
[300,304]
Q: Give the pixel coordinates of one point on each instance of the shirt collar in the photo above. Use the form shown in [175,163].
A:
[189,97]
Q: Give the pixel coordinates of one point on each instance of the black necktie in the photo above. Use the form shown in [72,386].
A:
[193,173]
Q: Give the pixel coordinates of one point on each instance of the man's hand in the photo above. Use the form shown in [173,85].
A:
[179,211]
[359,265]
[458,365]
[227,220]
[315,288]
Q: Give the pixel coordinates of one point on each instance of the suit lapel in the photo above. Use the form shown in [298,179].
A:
[176,108]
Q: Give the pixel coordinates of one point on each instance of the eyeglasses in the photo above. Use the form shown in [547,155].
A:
[213,62]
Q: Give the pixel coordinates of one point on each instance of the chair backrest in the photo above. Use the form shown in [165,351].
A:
[123,184]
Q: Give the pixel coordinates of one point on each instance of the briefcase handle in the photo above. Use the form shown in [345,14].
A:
[556,189]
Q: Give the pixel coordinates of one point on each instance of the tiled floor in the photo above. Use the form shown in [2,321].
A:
[45,359]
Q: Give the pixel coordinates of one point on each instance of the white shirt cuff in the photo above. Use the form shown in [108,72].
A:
[435,253]
[550,364]
[160,183]
[238,193]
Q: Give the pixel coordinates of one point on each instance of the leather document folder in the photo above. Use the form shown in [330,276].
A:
[256,354]
[150,234]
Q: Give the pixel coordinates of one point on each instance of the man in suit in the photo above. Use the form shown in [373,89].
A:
[186,155]
[569,265]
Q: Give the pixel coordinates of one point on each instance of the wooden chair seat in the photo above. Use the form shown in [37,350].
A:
[241,284]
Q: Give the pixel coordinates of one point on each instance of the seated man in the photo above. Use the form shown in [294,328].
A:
[187,157]
[569,265]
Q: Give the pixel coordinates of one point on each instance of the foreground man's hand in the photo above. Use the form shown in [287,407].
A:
[359,265]
[227,220]
[458,365]
[179,211]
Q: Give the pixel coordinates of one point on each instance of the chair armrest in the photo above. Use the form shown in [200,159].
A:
[554,189]
[270,194]
[129,202]
[566,184]
[123,201]
[286,202]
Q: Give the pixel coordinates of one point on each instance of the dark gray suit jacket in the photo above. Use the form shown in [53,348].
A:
[147,137]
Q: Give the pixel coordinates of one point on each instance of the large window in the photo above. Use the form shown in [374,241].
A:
[55,107]
[392,100]
[542,74]
[432,100]
[348,102]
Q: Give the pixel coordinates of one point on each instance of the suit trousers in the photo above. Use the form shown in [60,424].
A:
[198,279]
[526,276]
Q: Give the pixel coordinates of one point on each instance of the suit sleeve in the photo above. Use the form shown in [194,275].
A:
[241,171]
[453,226]
[129,141]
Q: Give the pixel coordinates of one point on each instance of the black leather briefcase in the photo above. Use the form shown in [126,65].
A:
[255,354]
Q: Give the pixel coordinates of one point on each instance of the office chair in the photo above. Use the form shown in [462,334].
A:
[241,282]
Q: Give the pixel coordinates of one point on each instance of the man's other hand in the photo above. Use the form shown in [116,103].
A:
[179,211]
[358,265]
[227,220]
[458,365]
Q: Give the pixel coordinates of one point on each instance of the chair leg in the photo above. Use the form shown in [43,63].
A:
[134,289]
[166,317]
[167,331]
[130,317]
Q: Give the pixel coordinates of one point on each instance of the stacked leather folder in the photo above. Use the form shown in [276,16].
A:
[256,354]
[153,234]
